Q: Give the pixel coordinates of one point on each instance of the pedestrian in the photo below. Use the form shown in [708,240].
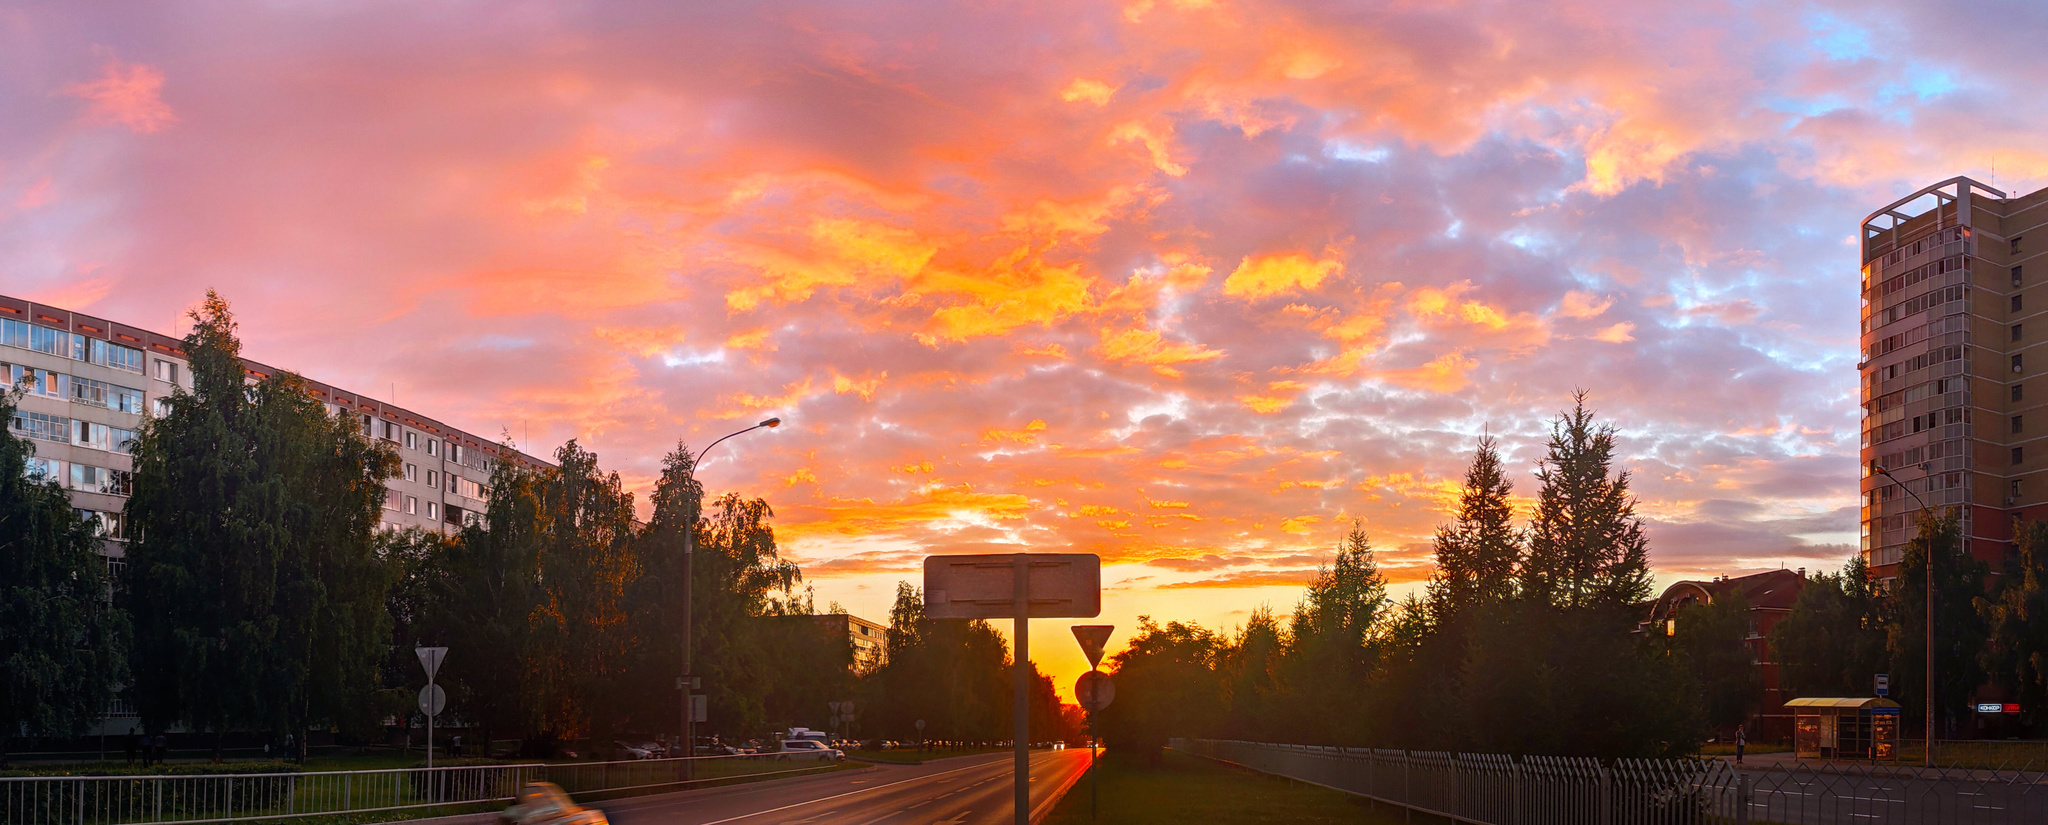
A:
[128,745]
[457,750]
[159,747]
[1741,739]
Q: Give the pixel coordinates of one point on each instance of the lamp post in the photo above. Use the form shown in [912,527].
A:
[1926,516]
[689,553]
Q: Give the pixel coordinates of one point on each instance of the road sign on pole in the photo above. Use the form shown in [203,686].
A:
[430,658]
[1061,586]
[1093,691]
[432,700]
[1882,685]
[1022,586]
[1093,638]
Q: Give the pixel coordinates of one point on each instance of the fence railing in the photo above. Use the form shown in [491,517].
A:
[189,799]
[1495,789]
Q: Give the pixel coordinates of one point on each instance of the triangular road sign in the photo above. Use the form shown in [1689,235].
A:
[1092,638]
[430,658]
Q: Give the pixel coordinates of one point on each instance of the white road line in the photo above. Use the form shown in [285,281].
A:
[862,790]
[839,796]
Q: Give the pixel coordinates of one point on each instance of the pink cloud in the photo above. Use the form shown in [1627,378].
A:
[129,94]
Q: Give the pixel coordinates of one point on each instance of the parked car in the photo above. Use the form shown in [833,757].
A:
[655,750]
[544,803]
[622,751]
[811,749]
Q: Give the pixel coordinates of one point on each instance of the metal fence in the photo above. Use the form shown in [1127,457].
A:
[172,800]
[1493,789]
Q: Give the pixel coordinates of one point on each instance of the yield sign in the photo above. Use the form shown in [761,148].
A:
[430,658]
[1092,638]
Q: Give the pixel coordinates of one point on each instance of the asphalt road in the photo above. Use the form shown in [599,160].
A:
[1840,799]
[969,790]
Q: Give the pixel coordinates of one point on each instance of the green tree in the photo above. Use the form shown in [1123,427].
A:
[2016,619]
[1959,630]
[1712,639]
[1166,686]
[579,641]
[952,673]
[1250,665]
[1586,547]
[1834,639]
[1477,555]
[256,594]
[481,592]
[62,642]
[1334,653]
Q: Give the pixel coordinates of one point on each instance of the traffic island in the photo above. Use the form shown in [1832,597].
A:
[1179,789]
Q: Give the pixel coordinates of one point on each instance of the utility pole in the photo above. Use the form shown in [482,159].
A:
[1926,517]
[688,684]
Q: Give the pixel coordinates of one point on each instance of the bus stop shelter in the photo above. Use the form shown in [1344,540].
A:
[1851,728]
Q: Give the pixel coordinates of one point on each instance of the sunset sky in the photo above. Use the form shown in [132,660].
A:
[1190,284]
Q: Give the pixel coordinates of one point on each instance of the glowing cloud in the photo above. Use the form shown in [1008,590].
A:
[129,94]
[1267,276]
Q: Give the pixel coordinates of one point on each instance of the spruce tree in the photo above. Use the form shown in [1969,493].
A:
[1586,546]
[61,640]
[1477,555]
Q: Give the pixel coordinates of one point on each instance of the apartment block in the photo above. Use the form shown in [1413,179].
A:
[90,383]
[1952,367]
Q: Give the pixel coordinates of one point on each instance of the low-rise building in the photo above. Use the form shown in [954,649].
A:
[1770,596]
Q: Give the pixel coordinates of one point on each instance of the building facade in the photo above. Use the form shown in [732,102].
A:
[1954,403]
[89,384]
[1770,596]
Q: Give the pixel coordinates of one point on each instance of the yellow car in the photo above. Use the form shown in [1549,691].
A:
[544,803]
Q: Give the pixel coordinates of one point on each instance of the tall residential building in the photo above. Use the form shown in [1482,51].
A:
[1952,370]
[90,382]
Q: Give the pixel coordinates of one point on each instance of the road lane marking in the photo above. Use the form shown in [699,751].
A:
[848,793]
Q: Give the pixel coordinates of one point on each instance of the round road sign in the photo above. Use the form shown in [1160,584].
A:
[1094,690]
[920,724]
[433,700]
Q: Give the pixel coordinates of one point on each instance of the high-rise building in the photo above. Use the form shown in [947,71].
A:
[89,383]
[1951,367]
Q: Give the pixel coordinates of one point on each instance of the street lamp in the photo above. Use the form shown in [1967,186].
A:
[689,553]
[1926,516]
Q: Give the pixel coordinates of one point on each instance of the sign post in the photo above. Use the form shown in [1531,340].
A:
[1093,694]
[1021,586]
[432,698]
[1882,685]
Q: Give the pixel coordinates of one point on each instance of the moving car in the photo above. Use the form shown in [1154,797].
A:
[544,803]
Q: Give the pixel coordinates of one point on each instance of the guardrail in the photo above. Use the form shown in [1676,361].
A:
[1496,789]
[191,799]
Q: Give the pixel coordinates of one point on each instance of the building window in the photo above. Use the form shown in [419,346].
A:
[2015,246]
[412,439]
[431,478]
[390,499]
[412,471]
[2015,332]
[412,506]
[2016,423]
[2016,392]
[2016,362]
[2015,303]
[2015,490]
[2018,454]
[433,510]
[2015,276]
[433,447]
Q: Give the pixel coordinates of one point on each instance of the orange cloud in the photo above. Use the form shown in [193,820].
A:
[1445,374]
[1267,276]
[1086,90]
[1145,346]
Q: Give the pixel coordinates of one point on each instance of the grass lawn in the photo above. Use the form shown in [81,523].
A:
[1184,789]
